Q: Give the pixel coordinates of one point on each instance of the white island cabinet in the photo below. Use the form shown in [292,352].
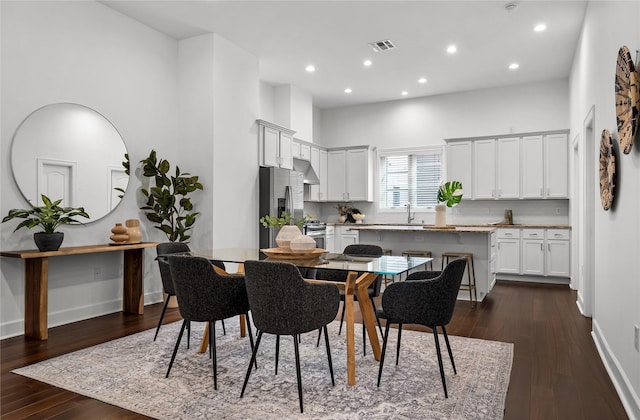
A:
[476,240]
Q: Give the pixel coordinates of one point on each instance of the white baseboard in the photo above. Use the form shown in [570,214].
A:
[630,400]
[15,328]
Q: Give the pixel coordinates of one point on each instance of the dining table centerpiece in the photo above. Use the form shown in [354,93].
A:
[289,228]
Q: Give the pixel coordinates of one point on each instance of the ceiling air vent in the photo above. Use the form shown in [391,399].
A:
[383,45]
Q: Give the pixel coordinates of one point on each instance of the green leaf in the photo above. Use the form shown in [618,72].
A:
[450,193]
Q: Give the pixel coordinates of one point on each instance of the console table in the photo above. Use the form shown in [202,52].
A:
[36,278]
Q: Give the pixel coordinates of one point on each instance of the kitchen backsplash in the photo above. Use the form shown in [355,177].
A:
[467,212]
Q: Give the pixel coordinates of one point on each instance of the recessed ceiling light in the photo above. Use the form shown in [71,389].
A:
[348,90]
[310,68]
[540,27]
[513,66]
[452,49]
[367,63]
[422,80]
[405,93]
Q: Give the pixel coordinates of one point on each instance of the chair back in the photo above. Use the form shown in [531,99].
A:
[167,248]
[428,302]
[283,303]
[361,250]
[203,294]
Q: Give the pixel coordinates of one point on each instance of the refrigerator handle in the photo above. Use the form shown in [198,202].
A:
[288,200]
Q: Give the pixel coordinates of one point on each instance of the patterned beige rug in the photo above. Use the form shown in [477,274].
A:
[130,373]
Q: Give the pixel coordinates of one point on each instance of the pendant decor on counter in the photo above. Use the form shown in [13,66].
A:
[441,215]
[133,231]
[286,235]
[119,236]
[607,170]
[627,90]
[342,219]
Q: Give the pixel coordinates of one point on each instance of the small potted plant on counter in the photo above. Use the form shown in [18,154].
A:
[343,212]
[48,216]
[449,195]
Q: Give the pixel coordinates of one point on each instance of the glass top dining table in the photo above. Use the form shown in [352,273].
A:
[360,273]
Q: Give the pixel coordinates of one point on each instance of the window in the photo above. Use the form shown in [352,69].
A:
[410,176]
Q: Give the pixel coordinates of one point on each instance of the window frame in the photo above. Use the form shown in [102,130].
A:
[406,151]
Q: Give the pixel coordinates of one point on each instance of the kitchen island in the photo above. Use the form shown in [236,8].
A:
[480,241]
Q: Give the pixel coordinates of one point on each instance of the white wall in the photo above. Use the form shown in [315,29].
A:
[86,53]
[427,121]
[608,26]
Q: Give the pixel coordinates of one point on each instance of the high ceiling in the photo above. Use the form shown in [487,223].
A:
[286,36]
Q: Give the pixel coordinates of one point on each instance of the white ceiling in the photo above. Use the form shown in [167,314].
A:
[333,35]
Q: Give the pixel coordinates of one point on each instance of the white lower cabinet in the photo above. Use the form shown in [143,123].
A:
[344,237]
[533,252]
[508,252]
[558,253]
[330,242]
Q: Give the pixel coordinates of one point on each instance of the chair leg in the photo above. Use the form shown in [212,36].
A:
[364,339]
[277,351]
[297,351]
[188,334]
[166,303]
[446,340]
[319,335]
[384,350]
[444,381]
[341,318]
[212,345]
[251,363]
[248,322]
[326,340]
[224,330]
[175,350]
[377,319]
[398,345]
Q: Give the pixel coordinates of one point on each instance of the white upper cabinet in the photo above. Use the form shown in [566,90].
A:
[459,155]
[532,167]
[484,169]
[319,165]
[275,145]
[508,163]
[556,166]
[350,175]
[510,167]
[305,152]
[545,166]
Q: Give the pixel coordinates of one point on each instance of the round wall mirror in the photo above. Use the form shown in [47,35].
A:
[70,152]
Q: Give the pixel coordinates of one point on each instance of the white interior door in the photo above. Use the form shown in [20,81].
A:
[57,180]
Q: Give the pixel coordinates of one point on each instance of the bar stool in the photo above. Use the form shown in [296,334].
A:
[424,254]
[471,273]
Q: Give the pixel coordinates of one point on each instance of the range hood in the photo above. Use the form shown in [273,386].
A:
[309,175]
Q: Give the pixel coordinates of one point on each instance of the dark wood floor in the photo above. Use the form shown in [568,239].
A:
[556,372]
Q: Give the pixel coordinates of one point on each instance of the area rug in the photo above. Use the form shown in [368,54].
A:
[130,373]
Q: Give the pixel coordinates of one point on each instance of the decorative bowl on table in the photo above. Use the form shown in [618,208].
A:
[358,217]
[302,243]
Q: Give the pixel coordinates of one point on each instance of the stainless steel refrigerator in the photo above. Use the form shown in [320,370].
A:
[281,190]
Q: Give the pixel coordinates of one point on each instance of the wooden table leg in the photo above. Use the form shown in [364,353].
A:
[204,344]
[368,317]
[36,283]
[351,344]
[133,287]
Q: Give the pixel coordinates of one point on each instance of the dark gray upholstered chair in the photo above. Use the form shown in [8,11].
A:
[361,250]
[426,298]
[282,303]
[206,296]
[167,248]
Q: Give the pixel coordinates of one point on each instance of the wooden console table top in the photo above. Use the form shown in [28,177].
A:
[75,250]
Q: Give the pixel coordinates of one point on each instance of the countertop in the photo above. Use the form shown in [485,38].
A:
[421,228]
[459,227]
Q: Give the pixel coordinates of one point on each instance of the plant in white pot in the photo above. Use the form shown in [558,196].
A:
[48,216]
[449,195]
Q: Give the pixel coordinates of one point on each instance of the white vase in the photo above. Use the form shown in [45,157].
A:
[286,234]
[302,243]
[342,219]
[441,215]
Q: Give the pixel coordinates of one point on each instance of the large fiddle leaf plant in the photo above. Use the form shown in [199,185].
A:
[450,193]
[168,203]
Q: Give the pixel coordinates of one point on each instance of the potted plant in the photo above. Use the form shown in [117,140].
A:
[343,212]
[449,195]
[48,216]
[289,227]
[168,204]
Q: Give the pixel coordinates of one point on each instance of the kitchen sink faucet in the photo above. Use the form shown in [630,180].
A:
[409,217]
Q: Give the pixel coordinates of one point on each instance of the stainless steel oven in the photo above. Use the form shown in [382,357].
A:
[318,231]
